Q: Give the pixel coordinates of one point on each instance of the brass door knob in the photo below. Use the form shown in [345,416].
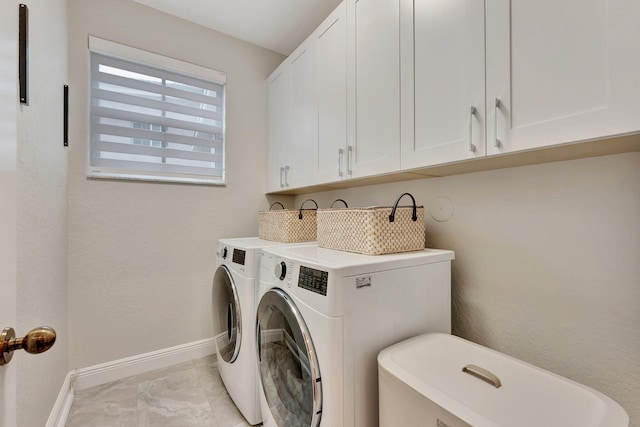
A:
[36,341]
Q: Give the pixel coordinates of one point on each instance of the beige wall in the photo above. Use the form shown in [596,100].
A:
[142,255]
[42,213]
[547,264]
[8,196]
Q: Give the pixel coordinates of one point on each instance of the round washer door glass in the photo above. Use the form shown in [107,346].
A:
[288,364]
[227,322]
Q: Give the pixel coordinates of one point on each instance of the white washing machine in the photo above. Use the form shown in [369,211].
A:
[324,316]
[234,298]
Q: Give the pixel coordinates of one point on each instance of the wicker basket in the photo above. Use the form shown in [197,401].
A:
[373,231]
[288,225]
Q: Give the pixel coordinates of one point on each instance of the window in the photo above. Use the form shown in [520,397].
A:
[154,118]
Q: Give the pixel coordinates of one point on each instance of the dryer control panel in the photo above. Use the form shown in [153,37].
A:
[313,280]
[239,256]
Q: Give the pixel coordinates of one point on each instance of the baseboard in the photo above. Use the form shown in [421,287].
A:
[122,368]
[60,412]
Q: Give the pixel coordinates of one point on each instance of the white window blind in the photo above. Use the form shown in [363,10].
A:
[150,122]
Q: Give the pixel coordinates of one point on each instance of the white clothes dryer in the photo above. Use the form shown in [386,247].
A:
[234,300]
[324,316]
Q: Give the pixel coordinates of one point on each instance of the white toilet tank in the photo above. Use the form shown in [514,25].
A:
[422,383]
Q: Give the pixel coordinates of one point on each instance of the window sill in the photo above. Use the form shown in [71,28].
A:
[153,178]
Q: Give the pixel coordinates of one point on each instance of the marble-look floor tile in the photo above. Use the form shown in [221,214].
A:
[210,379]
[224,410]
[210,360]
[189,394]
[107,405]
[174,400]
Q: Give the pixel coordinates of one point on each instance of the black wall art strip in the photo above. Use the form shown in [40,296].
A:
[23,53]
[66,116]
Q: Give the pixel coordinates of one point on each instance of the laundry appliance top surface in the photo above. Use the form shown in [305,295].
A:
[349,264]
[252,243]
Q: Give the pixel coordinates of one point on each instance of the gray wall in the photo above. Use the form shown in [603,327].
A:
[142,255]
[547,264]
[42,213]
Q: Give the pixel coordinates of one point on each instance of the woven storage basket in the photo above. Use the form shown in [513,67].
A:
[288,225]
[373,231]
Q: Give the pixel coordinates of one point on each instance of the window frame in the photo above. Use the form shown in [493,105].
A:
[143,57]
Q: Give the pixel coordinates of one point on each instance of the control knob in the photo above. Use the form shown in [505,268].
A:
[225,252]
[281,270]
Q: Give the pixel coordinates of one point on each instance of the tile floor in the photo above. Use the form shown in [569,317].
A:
[183,395]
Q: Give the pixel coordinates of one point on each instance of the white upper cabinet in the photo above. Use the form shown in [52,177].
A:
[292,119]
[331,48]
[303,116]
[277,110]
[556,72]
[376,145]
[384,86]
[448,65]
[561,71]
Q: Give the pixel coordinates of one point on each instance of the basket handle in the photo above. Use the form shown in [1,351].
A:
[300,212]
[339,200]
[414,216]
[276,203]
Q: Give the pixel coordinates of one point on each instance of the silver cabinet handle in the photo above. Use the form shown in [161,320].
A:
[349,159]
[496,107]
[340,154]
[473,112]
[286,176]
[281,172]
[483,374]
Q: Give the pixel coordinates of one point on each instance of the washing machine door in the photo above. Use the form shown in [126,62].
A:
[227,321]
[289,368]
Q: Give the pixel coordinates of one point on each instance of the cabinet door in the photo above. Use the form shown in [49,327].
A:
[562,71]
[303,116]
[448,63]
[377,74]
[277,99]
[331,45]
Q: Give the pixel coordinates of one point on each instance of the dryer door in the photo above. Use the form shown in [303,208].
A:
[289,368]
[227,321]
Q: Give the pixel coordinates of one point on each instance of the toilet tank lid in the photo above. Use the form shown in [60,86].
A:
[432,365]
